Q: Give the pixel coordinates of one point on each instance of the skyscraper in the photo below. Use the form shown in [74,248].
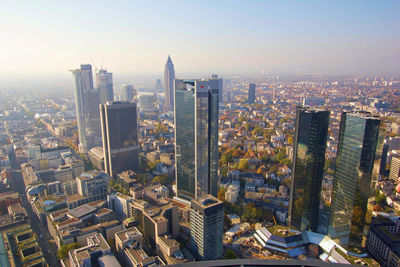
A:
[206,227]
[128,93]
[120,137]
[83,83]
[169,76]
[252,93]
[104,82]
[196,137]
[220,85]
[357,169]
[308,163]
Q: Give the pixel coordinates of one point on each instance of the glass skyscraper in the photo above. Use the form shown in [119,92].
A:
[357,169]
[120,137]
[83,87]
[308,167]
[196,137]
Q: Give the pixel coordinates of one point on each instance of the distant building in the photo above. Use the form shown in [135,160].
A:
[206,227]
[308,167]
[169,76]
[196,137]
[83,80]
[104,82]
[120,137]
[357,170]
[252,93]
[96,157]
[313,101]
[128,93]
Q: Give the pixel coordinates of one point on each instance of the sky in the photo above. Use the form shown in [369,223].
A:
[52,37]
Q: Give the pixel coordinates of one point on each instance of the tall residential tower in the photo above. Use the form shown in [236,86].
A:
[357,169]
[308,167]
[196,137]
[169,76]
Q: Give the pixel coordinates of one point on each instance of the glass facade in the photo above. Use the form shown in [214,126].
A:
[357,169]
[196,137]
[120,137]
[308,163]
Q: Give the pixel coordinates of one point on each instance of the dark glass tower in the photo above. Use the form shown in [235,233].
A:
[252,93]
[308,167]
[196,137]
[357,169]
[120,137]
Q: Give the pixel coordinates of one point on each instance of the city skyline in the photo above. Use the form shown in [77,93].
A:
[255,36]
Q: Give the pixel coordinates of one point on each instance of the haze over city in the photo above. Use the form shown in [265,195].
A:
[131,37]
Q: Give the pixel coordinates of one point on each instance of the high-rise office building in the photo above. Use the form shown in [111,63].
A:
[252,93]
[220,85]
[169,76]
[120,137]
[104,82]
[308,167]
[196,137]
[83,83]
[206,227]
[128,93]
[357,169]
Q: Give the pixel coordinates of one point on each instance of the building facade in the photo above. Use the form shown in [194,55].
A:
[196,137]
[252,93]
[128,93]
[104,82]
[308,167]
[83,82]
[206,227]
[169,76]
[120,137]
[357,169]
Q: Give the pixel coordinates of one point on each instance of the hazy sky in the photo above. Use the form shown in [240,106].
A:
[201,36]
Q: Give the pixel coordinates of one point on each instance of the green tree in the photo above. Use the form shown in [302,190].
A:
[221,194]
[230,254]
[62,253]
[224,171]
[226,158]
[380,199]
[281,156]
[243,164]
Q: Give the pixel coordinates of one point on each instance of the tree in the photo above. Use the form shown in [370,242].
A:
[380,199]
[64,249]
[224,171]
[230,254]
[290,140]
[221,194]
[226,158]
[281,156]
[243,164]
